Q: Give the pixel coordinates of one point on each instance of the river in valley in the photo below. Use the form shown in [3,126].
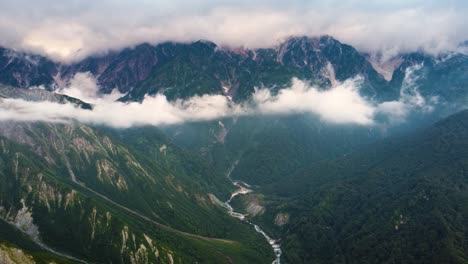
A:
[243,188]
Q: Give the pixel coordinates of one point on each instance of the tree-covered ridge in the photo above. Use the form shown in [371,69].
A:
[83,194]
[400,201]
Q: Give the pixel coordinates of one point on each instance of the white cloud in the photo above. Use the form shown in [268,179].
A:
[84,86]
[341,104]
[72,30]
[154,111]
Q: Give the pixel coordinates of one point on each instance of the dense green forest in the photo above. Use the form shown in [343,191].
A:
[402,200]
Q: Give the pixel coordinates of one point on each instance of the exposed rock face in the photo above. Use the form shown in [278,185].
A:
[76,183]
[12,255]
[44,203]
[281,219]
[253,208]
[24,70]
[128,68]
[24,221]
[181,70]
[385,66]
[328,61]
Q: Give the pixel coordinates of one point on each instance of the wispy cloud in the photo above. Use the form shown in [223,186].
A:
[410,98]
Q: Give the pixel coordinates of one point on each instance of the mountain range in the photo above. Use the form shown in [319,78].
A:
[75,192]
[181,70]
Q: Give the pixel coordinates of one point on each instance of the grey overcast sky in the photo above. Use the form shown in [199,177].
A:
[72,29]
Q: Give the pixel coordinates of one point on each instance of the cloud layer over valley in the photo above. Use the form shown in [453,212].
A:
[341,104]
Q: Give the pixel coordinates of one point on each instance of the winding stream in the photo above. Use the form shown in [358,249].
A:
[243,189]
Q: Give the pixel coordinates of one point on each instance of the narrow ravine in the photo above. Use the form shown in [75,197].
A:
[243,188]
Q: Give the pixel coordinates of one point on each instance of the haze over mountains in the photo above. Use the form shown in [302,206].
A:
[71,32]
[124,139]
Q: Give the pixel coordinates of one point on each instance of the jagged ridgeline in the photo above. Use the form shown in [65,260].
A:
[181,70]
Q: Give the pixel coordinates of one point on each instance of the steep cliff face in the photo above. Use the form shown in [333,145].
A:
[203,67]
[12,255]
[25,70]
[181,70]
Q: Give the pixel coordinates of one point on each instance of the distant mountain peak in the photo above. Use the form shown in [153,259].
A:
[316,42]
[204,42]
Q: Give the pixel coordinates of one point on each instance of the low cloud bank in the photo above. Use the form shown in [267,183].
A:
[154,110]
[341,104]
